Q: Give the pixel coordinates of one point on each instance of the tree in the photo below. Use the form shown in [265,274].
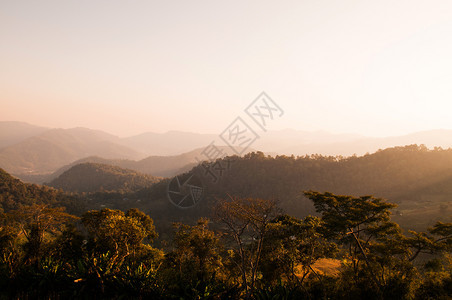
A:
[10,252]
[363,226]
[35,222]
[199,245]
[245,221]
[293,246]
[195,261]
[119,233]
[437,240]
[113,237]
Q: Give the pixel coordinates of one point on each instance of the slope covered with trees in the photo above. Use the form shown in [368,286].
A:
[248,250]
[260,231]
[414,177]
[14,194]
[94,177]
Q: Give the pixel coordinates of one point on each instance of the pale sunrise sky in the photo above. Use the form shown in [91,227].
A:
[368,67]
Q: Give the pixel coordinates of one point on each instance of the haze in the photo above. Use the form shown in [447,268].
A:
[371,68]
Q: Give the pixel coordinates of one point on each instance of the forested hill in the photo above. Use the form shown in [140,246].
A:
[94,177]
[419,180]
[412,176]
[387,173]
[15,194]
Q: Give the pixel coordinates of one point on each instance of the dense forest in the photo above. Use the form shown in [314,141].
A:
[266,228]
[14,194]
[95,177]
[417,179]
[351,250]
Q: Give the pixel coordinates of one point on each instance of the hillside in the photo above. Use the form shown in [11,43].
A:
[386,173]
[415,178]
[161,166]
[122,163]
[95,177]
[412,176]
[33,153]
[168,166]
[47,152]
[14,194]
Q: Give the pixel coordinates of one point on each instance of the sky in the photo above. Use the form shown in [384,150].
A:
[374,68]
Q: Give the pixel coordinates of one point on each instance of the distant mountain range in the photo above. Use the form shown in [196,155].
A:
[48,151]
[15,132]
[360,145]
[33,153]
[161,166]
[417,179]
[169,143]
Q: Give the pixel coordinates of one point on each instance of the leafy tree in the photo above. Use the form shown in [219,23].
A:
[195,262]
[292,247]
[437,240]
[443,233]
[35,222]
[118,249]
[437,281]
[117,232]
[376,248]
[10,252]
[199,246]
[246,223]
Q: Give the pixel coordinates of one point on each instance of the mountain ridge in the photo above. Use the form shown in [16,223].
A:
[96,177]
[46,152]
[33,158]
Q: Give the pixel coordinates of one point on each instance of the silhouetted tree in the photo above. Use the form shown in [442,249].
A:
[245,221]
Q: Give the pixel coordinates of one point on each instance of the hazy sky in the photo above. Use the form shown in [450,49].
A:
[368,67]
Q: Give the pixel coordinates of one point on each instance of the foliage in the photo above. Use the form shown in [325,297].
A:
[195,262]
[94,177]
[245,222]
[249,250]
[119,233]
[293,246]
[15,194]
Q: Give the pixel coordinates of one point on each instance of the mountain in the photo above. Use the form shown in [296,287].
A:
[169,143]
[15,132]
[54,148]
[419,180]
[161,166]
[94,177]
[176,142]
[33,153]
[279,140]
[15,194]
[168,166]
[359,145]
[288,142]
[122,163]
